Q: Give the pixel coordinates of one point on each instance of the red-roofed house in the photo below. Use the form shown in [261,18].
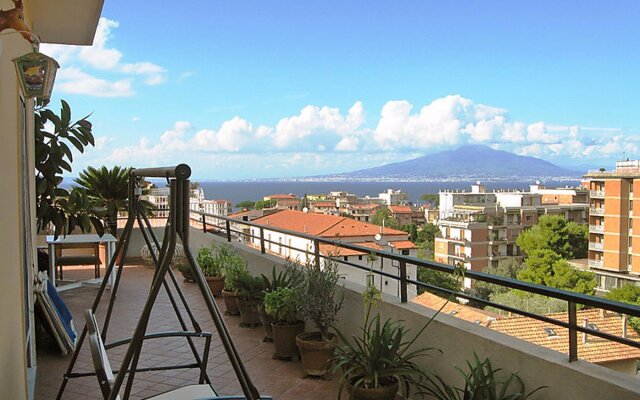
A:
[402,214]
[342,229]
[360,212]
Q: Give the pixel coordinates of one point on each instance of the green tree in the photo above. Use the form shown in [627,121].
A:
[261,204]
[553,232]
[627,294]
[546,267]
[428,233]
[108,191]
[383,217]
[412,230]
[508,267]
[246,205]
[431,198]
[528,302]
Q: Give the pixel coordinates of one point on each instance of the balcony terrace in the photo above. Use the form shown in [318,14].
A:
[565,373]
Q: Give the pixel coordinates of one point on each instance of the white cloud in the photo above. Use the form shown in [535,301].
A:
[329,139]
[73,80]
[99,58]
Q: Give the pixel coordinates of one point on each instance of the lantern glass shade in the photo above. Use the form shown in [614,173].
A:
[37,72]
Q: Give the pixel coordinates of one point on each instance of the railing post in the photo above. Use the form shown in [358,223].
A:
[262,250]
[204,223]
[403,281]
[316,252]
[573,332]
[228,224]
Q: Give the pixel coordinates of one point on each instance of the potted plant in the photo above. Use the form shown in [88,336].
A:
[319,301]
[375,364]
[250,293]
[290,276]
[211,268]
[235,268]
[480,383]
[281,305]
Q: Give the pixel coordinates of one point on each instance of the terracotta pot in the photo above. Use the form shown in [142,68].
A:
[381,393]
[216,284]
[316,353]
[231,302]
[248,307]
[284,339]
[266,320]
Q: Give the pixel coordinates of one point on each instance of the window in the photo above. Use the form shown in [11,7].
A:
[360,257]
[346,258]
[405,252]
[550,332]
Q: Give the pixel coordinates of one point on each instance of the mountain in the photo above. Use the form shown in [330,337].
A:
[464,163]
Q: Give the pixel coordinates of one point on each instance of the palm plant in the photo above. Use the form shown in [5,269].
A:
[108,189]
[480,383]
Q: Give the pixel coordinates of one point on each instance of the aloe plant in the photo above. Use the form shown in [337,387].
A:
[481,383]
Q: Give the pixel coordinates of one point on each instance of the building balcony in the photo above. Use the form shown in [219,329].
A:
[596,210]
[457,338]
[596,228]
[596,246]
[596,264]
[596,194]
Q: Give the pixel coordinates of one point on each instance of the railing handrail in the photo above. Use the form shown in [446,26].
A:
[561,294]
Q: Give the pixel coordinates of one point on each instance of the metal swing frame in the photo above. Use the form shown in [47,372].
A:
[177,227]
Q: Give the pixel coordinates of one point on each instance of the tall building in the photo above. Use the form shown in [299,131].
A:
[480,228]
[614,255]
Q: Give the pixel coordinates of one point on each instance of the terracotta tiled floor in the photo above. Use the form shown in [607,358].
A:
[280,379]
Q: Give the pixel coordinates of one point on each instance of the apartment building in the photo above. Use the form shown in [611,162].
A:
[346,230]
[614,230]
[393,197]
[480,228]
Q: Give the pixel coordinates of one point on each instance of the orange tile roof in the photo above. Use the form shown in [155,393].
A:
[239,214]
[329,249]
[400,209]
[311,223]
[350,227]
[403,244]
[457,310]
[324,225]
[288,201]
[595,350]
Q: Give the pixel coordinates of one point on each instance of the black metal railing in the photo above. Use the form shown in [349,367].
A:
[224,226]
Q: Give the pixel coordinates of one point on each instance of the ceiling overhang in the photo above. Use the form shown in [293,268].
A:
[65,21]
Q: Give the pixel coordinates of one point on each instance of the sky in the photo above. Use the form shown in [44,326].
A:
[255,89]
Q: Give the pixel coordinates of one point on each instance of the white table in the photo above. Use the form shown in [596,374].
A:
[110,249]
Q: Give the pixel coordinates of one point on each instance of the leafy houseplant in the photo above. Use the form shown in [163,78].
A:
[211,269]
[281,305]
[382,359]
[250,292]
[319,300]
[290,277]
[481,383]
[55,134]
[235,269]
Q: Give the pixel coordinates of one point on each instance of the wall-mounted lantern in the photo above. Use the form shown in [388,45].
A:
[36,72]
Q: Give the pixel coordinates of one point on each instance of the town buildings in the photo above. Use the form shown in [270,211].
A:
[480,228]
[345,230]
[614,230]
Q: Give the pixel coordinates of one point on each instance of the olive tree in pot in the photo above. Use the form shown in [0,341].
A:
[319,301]
[211,268]
[281,304]
[290,277]
[382,359]
[235,269]
[250,292]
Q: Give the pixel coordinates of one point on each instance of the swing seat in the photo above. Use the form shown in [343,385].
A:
[106,378]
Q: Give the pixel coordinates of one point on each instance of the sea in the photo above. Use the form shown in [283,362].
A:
[239,191]
[236,192]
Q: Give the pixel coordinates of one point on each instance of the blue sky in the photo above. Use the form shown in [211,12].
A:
[286,88]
